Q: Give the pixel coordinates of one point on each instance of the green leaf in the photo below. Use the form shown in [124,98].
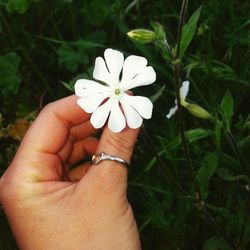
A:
[191,136]
[205,173]
[70,56]
[158,94]
[9,79]
[216,244]
[226,107]
[189,30]
[20,6]
[67,57]
[227,176]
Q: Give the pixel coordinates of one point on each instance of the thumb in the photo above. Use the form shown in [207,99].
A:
[113,174]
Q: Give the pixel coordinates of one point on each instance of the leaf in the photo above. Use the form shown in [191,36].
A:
[189,30]
[20,6]
[191,136]
[227,176]
[9,79]
[158,94]
[227,106]
[206,171]
[67,57]
[216,244]
[70,56]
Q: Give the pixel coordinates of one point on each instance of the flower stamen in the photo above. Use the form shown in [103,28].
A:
[117,91]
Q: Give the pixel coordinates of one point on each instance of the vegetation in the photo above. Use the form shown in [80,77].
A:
[190,178]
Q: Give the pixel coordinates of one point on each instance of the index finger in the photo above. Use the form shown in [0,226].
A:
[51,128]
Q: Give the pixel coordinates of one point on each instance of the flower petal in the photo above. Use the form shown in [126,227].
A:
[184,90]
[100,71]
[172,111]
[116,120]
[85,87]
[114,60]
[100,116]
[145,77]
[91,103]
[141,104]
[133,119]
[133,65]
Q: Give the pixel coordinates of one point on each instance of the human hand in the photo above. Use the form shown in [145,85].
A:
[52,208]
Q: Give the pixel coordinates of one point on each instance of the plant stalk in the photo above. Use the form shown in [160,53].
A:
[176,70]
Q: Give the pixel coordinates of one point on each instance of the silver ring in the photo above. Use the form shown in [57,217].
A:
[98,157]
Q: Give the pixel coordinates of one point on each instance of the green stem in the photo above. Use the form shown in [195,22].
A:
[176,71]
[237,152]
[217,229]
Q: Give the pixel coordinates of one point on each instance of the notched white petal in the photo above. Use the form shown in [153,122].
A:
[114,60]
[184,90]
[133,119]
[90,103]
[116,121]
[100,71]
[85,87]
[100,116]
[145,77]
[141,104]
[133,65]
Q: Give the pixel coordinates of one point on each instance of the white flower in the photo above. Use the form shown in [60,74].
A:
[183,94]
[194,109]
[110,101]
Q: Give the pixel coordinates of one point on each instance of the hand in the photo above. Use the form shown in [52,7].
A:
[52,208]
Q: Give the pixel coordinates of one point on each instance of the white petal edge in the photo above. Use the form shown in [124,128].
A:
[100,71]
[114,60]
[133,65]
[184,90]
[116,121]
[100,116]
[145,77]
[172,111]
[134,120]
[141,104]
[85,87]
[90,103]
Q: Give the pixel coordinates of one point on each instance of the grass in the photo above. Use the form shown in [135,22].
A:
[49,42]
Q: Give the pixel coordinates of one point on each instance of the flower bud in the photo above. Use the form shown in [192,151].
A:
[197,111]
[142,35]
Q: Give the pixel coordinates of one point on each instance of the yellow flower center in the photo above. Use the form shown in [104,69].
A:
[117,91]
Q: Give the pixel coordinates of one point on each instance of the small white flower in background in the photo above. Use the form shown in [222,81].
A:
[183,94]
[194,109]
[111,101]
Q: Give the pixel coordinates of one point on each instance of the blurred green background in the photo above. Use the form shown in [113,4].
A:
[46,45]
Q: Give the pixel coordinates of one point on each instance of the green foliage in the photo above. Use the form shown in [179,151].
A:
[216,244]
[9,78]
[189,30]
[206,171]
[227,176]
[20,6]
[226,109]
[47,45]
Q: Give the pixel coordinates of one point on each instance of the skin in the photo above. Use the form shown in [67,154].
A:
[51,207]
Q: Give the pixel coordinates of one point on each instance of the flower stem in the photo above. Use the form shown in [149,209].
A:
[237,152]
[176,70]
[210,219]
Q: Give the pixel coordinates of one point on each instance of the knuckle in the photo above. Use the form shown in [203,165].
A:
[120,143]
[48,107]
